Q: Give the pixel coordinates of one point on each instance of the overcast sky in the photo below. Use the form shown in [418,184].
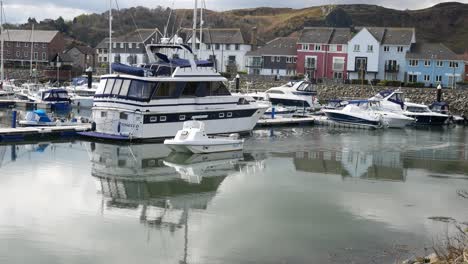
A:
[17,11]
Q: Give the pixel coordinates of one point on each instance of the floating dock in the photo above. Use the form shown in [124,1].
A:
[308,120]
[40,133]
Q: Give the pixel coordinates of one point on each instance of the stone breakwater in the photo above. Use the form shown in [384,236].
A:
[456,98]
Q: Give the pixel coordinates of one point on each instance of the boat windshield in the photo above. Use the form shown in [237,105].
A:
[397,97]
[418,109]
[305,87]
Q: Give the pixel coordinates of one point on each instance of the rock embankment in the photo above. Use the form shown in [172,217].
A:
[456,98]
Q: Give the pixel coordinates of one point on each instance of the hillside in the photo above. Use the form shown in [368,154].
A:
[447,23]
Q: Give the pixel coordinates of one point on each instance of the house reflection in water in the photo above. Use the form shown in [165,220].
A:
[386,166]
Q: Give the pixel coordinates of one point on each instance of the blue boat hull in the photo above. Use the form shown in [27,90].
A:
[429,120]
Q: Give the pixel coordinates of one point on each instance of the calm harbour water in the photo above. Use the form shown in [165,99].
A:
[296,195]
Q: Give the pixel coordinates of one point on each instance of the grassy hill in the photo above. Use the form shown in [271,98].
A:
[446,23]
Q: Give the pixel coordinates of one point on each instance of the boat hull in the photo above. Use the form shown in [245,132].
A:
[429,120]
[346,118]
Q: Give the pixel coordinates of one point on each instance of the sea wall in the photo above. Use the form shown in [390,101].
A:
[456,98]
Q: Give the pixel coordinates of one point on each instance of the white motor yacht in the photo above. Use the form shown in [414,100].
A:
[394,101]
[154,100]
[359,114]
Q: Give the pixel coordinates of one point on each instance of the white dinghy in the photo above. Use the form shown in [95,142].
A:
[193,138]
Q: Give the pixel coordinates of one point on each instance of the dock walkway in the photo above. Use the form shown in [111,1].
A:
[37,133]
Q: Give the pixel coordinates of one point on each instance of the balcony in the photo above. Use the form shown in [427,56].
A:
[392,68]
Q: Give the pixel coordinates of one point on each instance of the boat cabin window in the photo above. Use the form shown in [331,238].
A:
[190,89]
[218,88]
[102,85]
[124,89]
[275,92]
[168,89]
[416,109]
[117,85]
[140,90]
[109,86]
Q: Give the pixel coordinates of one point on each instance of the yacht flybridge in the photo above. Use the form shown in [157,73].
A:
[154,100]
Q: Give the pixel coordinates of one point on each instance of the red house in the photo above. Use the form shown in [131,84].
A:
[322,52]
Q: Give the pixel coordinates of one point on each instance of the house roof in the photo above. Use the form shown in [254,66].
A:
[464,57]
[278,46]
[325,35]
[391,36]
[104,44]
[219,35]
[64,57]
[83,49]
[431,51]
[41,36]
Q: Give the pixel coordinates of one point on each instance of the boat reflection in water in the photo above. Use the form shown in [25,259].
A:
[160,185]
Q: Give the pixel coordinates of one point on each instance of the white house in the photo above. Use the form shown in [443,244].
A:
[226,47]
[379,53]
[394,45]
[363,56]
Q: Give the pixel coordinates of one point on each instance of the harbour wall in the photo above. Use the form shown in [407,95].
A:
[456,98]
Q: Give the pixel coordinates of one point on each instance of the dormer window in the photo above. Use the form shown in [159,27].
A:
[357,48]
[318,47]
[400,48]
[370,48]
[386,49]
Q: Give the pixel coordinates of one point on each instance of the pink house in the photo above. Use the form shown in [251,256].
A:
[322,52]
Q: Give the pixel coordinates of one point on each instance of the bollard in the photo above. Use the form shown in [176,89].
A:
[272,112]
[439,93]
[237,83]
[13,119]
[89,73]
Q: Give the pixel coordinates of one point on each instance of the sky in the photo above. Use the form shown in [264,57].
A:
[18,11]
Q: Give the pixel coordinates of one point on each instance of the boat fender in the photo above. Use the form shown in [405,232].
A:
[93,126]
[118,128]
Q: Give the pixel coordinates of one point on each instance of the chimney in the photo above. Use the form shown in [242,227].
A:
[253,39]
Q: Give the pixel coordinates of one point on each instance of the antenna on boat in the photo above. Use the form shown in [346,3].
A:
[168,20]
[2,41]
[194,26]
[201,30]
[110,36]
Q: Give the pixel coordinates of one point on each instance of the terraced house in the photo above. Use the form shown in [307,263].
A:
[226,47]
[128,48]
[277,58]
[322,52]
[433,64]
[379,53]
[41,45]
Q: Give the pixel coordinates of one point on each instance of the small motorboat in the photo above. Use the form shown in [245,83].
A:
[355,113]
[40,118]
[192,138]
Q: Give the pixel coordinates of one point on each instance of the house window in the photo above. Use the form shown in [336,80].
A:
[412,78]
[386,48]
[333,48]
[130,45]
[114,45]
[121,45]
[36,45]
[294,59]
[338,64]
[453,64]
[26,44]
[44,45]
[305,46]
[208,46]
[36,55]
[357,48]
[440,63]
[272,58]
[427,63]
[278,59]
[400,48]
[337,75]
[290,59]
[427,78]
[237,47]
[18,44]
[310,62]
[17,54]
[232,59]
[413,63]
[228,46]
[216,46]
[370,48]
[103,114]
[272,71]
[26,54]
[438,78]
[318,47]
[44,56]
[197,46]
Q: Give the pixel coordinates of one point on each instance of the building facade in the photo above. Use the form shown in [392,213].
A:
[434,64]
[41,45]
[363,56]
[322,52]
[226,47]
[277,58]
[129,48]
[82,56]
